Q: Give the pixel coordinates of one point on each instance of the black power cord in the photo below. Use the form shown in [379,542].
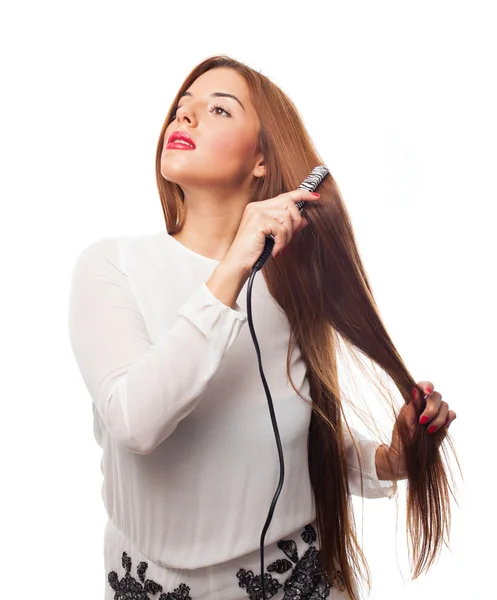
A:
[310,183]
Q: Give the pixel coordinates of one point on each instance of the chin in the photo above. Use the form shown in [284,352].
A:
[174,173]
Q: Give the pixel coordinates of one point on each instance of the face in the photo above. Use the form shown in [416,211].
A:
[224,132]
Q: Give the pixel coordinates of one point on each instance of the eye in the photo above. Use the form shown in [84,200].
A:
[215,107]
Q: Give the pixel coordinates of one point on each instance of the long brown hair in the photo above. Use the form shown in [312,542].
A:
[322,286]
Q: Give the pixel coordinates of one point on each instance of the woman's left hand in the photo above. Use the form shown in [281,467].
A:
[436,416]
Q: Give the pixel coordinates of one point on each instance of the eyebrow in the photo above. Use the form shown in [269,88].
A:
[217,95]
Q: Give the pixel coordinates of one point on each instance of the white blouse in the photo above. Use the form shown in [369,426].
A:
[180,411]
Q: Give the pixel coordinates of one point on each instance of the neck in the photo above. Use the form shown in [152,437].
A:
[211,225]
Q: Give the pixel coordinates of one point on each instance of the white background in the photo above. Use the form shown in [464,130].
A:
[400,100]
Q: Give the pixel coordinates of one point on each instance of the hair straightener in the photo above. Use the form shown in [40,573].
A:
[310,183]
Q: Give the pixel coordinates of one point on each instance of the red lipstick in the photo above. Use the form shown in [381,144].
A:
[180,140]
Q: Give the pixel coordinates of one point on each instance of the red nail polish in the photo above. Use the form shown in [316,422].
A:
[413,393]
[429,390]
[314,194]
[432,429]
[424,420]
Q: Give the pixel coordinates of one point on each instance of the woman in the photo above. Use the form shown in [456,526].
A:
[157,328]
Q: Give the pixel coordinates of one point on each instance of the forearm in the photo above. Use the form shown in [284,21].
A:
[384,469]
[226,283]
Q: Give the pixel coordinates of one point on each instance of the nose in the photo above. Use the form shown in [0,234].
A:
[186,113]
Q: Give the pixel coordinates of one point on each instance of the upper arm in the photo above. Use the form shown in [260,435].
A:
[142,390]
[107,331]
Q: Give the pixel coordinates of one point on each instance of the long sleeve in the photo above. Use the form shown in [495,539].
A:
[372,486]
[142,390]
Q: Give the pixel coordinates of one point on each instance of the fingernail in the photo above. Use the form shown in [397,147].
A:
[429,389]
[314,194]
[413,393]
[432,429]
[424,420]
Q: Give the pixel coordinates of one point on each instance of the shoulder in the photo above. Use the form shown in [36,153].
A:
[113,252]
[101,251]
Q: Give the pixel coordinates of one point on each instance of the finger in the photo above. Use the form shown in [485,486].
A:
[297,214]
[297,218]
[298,195]
[440,419]
[294,221]
[281,233]
[426,386]
[450,417]
[433,402]
[416,397]
[304,222]
[289,217]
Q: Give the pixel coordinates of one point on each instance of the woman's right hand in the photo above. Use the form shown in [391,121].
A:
[277,216]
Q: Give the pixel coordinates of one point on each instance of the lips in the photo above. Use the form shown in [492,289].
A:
[179,137]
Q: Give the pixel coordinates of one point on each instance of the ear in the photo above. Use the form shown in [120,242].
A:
[259,169]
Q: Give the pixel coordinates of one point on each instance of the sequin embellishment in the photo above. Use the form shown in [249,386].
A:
[306,582]
[128,588]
